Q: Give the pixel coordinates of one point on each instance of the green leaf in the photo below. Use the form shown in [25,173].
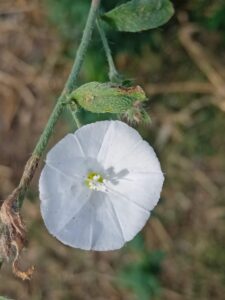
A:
[138,15]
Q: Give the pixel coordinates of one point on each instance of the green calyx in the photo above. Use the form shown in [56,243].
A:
[107,97]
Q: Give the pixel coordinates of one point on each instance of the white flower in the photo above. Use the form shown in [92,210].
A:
[99,185]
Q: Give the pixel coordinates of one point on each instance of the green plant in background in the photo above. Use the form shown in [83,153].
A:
[141,275]
[209,14]
[69,18]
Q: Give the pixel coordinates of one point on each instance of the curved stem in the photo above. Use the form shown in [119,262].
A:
[69,86]
[15,200]
[71,82]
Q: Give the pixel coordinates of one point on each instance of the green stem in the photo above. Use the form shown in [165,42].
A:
[76,119]
[71,82]
[114,76]
[32,163]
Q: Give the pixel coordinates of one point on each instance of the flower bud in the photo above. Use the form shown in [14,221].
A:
[107,97]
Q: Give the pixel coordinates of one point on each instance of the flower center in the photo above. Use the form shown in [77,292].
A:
[95,181]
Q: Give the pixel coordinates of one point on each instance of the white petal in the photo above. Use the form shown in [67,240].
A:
[131,216]
[75,170]
[143,189]
[118,142]
[68,157]
[68,148]
[61,198]
[94,227]
[91,137]
[141,158]
[124,148]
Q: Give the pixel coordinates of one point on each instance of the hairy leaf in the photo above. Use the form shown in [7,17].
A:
[139,15]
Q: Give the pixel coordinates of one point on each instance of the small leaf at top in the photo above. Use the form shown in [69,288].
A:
[138,15]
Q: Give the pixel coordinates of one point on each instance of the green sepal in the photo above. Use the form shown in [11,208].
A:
[107,97]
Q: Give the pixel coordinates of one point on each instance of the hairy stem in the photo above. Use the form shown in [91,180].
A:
[71,82]
[76,119]
[32,163]
[9,207]
[114,76]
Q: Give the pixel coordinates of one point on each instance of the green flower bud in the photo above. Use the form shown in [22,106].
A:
[107,97]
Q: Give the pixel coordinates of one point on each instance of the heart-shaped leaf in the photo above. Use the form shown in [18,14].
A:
[138,15]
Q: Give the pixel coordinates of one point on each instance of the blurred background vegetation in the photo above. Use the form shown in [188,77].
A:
[180,253]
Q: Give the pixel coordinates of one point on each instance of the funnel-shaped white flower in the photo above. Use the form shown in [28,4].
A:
[99,185]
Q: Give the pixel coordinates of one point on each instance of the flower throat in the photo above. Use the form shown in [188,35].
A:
[95,181]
